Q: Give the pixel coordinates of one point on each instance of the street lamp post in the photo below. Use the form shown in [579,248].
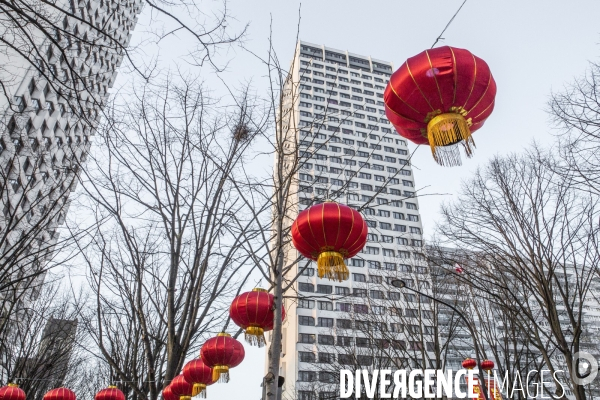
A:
[399,283]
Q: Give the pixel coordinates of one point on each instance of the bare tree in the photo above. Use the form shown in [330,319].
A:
[576,114]
[76,46]
[535,236]
[169,248]
[44,348]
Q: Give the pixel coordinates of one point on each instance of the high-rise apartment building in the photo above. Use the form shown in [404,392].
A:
[55,77]
[53,96]
[349,153]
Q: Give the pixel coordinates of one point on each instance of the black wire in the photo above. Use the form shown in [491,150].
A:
[448,24]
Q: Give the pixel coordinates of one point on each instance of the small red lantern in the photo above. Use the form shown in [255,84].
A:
[328,233]
[221,353]
[439,97]
[254,312]
[60,394]
[181,388]
[110,393]
[469,363]
[167,394]
[487,365]
[12,391]
[198,374]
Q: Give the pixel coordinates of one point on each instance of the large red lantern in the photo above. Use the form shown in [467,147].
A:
[198,374]
[439,97]
[110,393]
[12,392]
[328,233]
[222,353]
[254,312]
[469,363]
[181,388]
[167,394]
[60,394]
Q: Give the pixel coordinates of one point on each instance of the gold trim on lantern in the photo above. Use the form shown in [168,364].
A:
[260,290]
[331,264]
[224,334]
[446,130]
[255,335]
[197,389]
[111,387]
[220,373]
[13,385]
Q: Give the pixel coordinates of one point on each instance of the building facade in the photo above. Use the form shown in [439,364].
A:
[348,152]
[55,77]
[54,96]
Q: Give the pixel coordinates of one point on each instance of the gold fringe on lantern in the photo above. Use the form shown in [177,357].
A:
[331,264]
[221,373]
[199,388]
[444,132]
[185,397]
[255,335]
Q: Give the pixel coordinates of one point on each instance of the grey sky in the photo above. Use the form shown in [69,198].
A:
[531,46]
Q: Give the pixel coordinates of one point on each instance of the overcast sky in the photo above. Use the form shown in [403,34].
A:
[533,47]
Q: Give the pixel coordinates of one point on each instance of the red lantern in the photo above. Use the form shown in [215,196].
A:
[254,312]
[469,363]
[439,97]
[110,393]
[12,392]
[487,365]
[167,394]
[198,374]
[181,388]
[221,353]
[60,394]
[328,233]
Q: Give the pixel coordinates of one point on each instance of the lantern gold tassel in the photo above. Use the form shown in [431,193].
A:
[221,373]
[255,335]
[330,264]
[199,388]
[446,130]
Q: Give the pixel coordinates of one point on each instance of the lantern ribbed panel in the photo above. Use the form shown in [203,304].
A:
[487,365]
[181,387]
[253,311]
[167,394]
[60,394]
[11,392]
[469,363]
[221,353]
[110,393]
[328,233]
[329,227]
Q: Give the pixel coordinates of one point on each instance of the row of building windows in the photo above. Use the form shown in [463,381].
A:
[317,78]
[337,139]
[364,198]
[306,287]
[363,154]
[336,128]
[351,174]
[343,95]
[365,309]
[335,102]
[353,74]
[331,111]
[348,341]
[336,170]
